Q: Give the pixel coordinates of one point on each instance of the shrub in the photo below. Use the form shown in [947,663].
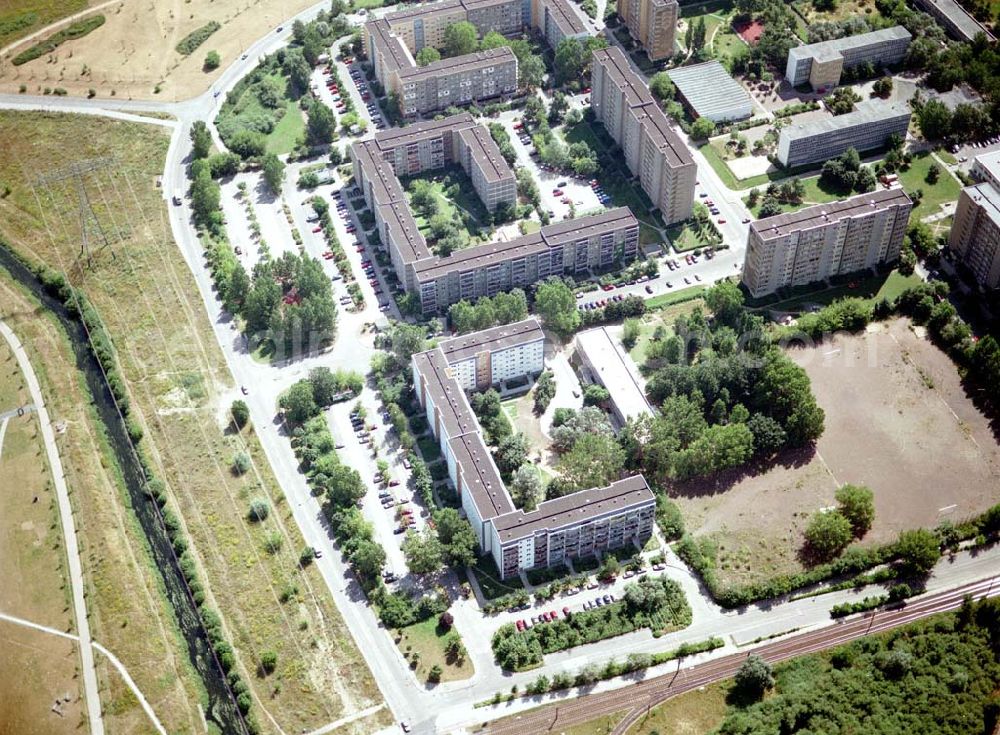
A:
[828,533]
[241,463]
[918,550]
[434,675]
[268,662]
[857,504]
[212,61]
[259,511]
[754,677]
[273,542]
[240,413]
[306,556]
[77,30]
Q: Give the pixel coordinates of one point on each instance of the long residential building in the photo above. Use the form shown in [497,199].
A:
[652,24]
[975,234]
[959,21]
[653,150]
[821,64]
[570,246]
[825,240]
[392,42]
[868,127]
[566,528]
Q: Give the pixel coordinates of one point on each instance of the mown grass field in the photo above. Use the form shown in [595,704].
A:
[37,668]
[128,613]
[179,387]
[19,18]
[427,641]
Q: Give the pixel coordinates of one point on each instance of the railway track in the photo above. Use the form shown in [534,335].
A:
[638,699]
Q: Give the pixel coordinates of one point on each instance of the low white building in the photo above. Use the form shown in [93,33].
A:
[607,364]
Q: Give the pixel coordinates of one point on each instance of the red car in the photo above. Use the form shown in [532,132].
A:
[557,192]
[553,615]
[608,287]
[317,229]
[520,625]
[721,220]
[566,611]
[586,90]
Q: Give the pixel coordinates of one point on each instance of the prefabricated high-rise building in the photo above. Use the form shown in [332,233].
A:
[652,24]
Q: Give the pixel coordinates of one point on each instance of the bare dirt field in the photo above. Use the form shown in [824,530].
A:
[36,670]
[133,54]
[897,420]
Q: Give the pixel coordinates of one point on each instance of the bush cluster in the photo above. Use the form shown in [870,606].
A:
[73,31]
[189,44]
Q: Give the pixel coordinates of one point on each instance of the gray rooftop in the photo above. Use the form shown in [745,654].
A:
[867,112]
[710,90]
[460,64]
[493,339]
[481,477]
[823,214]
[575,508]
[394,49]
[990,162]
[566,17]
[967,25]
[394,137]
[646,109]
[605,356]
[448,397]
[486,153]
[553,235]
[987,197]
[422,9]
[831,49]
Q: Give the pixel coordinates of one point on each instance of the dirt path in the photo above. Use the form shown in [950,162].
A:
[52,26]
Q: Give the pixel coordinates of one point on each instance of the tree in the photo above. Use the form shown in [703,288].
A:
[460,38]
[322,124]
[367,558]
[556,304]
[545,391]
[754,677]
[406,340]
[631,329]
[933,174]
[259,510]
[201,140]
[422,551]
[531,72]
[842,100]
[434,674]
[595,395]
[570,60]
[274,172]
[828,533]
[247,143]
[857,503]
[725,300]
[268,662]
[511,453]
[298,403]
[702,129]
[595,460]
[934,118]
[768,436]
[558,107]
[883,87]
[526,487]
[427,55]
[918,550]
[212,61]
[769,208]
[457,538]
[661,86]
[240,413]
[298,71]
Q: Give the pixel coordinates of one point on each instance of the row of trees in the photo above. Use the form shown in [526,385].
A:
[504,308]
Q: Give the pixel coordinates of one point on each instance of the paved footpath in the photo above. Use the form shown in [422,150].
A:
[69,534]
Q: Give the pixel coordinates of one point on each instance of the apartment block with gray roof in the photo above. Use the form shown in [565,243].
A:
[825,240]
[652,24]
[868,127]
[556,20]
[652,149]
[821,64]
[566,528]
[975,234]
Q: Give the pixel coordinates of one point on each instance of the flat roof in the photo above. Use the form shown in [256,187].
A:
[832,48]
[986,196]
[549,236]
[494,339]
[604,355]
[393,137]
[486,153]
[966,24]
[481,476]
[649,114]
[867,112]
[711,91]
[419,10]
[460,64]
[991,162]
[449,399]
[391,45]
[575,508]
[821,214]
[566,17]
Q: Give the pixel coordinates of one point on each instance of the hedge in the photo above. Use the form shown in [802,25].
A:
[77,30]
[196,38]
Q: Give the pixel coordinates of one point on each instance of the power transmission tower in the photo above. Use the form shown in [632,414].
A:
[90,225]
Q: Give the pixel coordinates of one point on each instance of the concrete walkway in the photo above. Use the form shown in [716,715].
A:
[69,534]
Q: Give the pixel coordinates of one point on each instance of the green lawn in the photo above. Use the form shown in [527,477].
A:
[359,4]
[668,299]
[815,194]
[872,288]
[729,178]
[429,448]
[488,576]
[466,202]
[288,130]
[945,190]
[685,236]
[661,317]
[425,643]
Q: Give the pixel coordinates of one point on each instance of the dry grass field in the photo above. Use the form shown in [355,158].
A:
[21,18]
[179,386]
[133,54]
[127,611]
[897,420]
